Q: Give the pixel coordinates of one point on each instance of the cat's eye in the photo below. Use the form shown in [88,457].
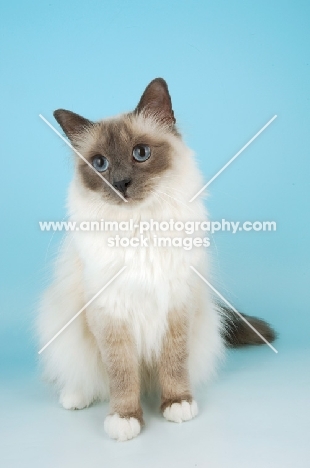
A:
[141,152]
[100,163]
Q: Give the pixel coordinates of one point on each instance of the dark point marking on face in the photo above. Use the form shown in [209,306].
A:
[115,140]
[149,124]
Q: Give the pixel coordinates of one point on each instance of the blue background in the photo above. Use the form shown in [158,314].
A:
[230,67]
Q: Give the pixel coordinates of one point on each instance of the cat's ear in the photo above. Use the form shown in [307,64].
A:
[156,102]
[71,123]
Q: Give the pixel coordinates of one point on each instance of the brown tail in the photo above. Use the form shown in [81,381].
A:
[237,333]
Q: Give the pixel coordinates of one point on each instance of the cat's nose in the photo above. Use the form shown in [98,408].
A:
[122,185]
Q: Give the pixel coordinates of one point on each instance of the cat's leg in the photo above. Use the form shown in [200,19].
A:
[120,356]
[177,403]
[72,362]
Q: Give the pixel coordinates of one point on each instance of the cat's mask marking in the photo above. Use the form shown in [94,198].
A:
[151,124]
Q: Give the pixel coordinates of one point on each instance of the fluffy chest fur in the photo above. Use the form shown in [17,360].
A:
[156,279]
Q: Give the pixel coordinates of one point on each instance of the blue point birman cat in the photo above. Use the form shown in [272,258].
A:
[156,325]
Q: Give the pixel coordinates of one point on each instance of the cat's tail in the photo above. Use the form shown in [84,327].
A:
[236,332]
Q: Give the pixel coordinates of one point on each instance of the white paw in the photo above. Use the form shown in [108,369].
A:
[121,429]
[73,401]
[179,412]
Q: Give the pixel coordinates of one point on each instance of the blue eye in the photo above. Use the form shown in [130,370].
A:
[141,152]
[100,163]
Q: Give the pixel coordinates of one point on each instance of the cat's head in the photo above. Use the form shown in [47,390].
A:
[132,152]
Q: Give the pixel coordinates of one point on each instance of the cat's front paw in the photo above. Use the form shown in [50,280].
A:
[179,412]
[120,428]
[73,401]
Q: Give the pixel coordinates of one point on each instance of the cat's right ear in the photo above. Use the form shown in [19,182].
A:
[71,123]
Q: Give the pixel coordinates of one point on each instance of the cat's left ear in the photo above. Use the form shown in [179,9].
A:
[156,102]
[71,123]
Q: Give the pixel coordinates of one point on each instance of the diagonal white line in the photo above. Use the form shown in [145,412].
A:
[81,156]
[233,158]
[83,308]
[235,310]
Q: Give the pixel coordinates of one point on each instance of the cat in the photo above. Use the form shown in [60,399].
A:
[156,325]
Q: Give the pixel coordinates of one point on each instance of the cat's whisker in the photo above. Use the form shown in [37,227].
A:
[68,244]
[164,177]
[51,238]
[174,189]
[157,196]
[163,199]
[169,177]
[168,188]
[178,201]
[62,241]
[217,253]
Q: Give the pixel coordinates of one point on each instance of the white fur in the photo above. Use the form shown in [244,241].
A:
[155,281]
[179,412]
[121,429]
[73,400]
